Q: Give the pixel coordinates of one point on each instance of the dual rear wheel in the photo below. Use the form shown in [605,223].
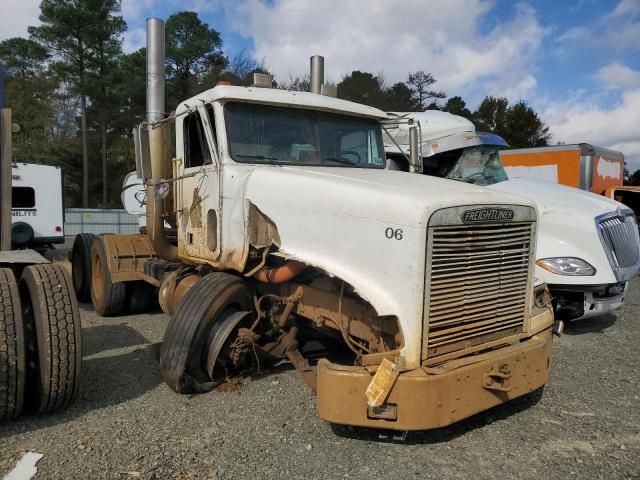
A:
[40,341]
[92,281]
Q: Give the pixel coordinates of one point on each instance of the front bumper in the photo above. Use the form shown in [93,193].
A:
[579,303]
[425,399]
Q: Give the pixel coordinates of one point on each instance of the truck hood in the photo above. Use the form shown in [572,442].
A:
[552,198]
[566,227]
[396,198]
[366,227]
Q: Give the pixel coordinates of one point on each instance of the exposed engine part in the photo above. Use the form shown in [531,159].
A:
[280,274]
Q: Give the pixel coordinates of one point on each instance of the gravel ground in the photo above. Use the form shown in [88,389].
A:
[127,424]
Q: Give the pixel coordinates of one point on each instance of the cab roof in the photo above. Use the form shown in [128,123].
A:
[284,98]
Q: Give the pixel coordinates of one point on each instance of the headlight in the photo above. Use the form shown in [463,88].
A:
[567,266]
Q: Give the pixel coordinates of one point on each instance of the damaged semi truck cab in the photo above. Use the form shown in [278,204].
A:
[287,193]
[289,231]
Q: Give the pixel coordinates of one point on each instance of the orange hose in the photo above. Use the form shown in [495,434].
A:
[280,274]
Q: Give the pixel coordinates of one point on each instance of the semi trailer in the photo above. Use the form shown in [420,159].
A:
[271,224]
[40,331]
[588,247]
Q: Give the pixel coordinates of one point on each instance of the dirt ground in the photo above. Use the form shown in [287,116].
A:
[127,424]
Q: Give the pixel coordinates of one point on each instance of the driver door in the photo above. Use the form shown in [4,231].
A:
[198,189]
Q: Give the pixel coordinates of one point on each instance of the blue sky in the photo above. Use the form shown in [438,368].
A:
[576,62]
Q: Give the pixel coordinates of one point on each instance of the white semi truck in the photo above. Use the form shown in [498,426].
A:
[588,247]
[287,228]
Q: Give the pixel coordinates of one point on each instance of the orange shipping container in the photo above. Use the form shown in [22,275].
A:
[583,166]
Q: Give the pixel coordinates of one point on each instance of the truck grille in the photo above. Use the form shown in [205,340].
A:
[478,281]
[619,235]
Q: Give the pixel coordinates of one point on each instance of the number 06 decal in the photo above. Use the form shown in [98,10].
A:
[391,233]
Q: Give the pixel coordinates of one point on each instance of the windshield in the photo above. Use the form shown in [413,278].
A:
[479,165]
[267,134]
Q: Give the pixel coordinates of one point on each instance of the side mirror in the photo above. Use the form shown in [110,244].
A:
[142,151]
[415,155]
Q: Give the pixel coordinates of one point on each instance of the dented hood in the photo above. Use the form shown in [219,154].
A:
[396,198]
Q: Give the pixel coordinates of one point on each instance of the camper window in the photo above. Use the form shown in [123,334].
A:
[23,197]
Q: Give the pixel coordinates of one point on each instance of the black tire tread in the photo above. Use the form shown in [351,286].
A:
[59,337]
[81,252]
[176,344]
[143,298]
[12,348]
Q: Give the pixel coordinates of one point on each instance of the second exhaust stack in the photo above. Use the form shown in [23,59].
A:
[317,73]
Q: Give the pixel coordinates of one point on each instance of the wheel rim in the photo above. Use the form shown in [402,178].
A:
[97,280]
[76,270]
[223,334]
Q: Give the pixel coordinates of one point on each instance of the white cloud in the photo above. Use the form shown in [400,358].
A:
[618,31]
[398,37]
[16,16]
[134,39]
[583,119]
[627,7]
[135,9]
[619,76]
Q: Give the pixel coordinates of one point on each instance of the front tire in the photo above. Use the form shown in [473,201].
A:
[184,351]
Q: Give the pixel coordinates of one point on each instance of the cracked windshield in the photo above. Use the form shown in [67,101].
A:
[478,165]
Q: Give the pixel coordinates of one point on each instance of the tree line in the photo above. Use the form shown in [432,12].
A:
[76,95]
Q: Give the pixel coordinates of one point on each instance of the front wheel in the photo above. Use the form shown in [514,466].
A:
[193,356]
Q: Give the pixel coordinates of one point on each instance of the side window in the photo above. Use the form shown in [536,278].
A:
[212,122]
[23,197]
[196,148]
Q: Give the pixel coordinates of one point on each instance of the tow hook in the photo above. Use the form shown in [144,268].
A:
[498,378]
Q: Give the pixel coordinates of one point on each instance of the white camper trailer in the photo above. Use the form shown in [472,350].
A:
[37,208]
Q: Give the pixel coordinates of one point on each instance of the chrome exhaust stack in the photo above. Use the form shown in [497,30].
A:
[317,74]
[156,204]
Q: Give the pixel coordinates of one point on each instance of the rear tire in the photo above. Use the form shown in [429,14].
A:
[183,355]
[108,298]
[12,353]
[143,297]
[50,307]
[81,266]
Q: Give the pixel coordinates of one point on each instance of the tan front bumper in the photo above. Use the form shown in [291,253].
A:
[425,400]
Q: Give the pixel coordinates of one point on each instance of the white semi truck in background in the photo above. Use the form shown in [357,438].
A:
[286,228]
[588,246]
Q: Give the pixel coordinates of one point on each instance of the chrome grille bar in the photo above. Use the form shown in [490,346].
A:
[478,278]
[619,236]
